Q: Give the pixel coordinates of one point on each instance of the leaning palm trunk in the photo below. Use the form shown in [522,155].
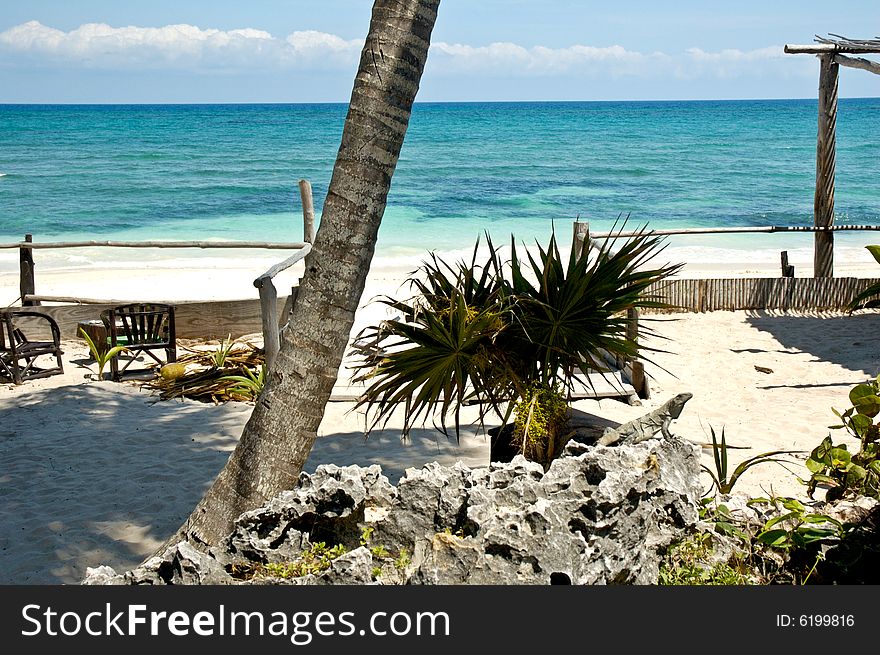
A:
[281,431]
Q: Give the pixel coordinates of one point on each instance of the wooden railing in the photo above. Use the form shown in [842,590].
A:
[268,293]
[269,304]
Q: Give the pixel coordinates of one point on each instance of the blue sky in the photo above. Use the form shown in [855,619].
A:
[307,51]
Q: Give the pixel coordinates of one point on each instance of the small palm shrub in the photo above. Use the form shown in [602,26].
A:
[102,356]
[492,332]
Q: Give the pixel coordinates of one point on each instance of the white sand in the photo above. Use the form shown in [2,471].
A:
[100,473]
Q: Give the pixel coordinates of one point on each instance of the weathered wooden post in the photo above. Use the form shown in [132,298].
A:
[823,205]
[305,192]
[269,315]
[637,368]
[26,280]
[787,269]
[581,238]
[269,304]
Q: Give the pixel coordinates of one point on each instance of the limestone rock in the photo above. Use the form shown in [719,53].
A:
[328,506]
[102,575]
[180,564]
[598,515]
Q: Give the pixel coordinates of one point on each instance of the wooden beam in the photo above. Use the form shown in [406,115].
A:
[810,49]
[826,155]
[283,266]
[858,62]
[830,48]
[213,319]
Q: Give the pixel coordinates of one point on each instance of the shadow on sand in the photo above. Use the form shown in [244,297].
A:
[839,339]
[100,474]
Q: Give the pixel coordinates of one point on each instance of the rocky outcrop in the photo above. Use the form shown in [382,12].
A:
[598,515]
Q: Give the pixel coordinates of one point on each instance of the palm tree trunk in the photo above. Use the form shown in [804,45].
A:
[281,431]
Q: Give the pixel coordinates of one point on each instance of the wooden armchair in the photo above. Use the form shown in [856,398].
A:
[142,328]
[19,354]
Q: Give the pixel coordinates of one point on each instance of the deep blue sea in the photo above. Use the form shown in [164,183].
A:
[231,171]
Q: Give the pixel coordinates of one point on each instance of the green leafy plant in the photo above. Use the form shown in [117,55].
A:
[101,356]
[318,558]
[722,518]
[218,357]
[248,386]
[719,477]
[794,526]
[376,550]
[403,560]
[870,297]
[487,331]
[689,562]
[834,465]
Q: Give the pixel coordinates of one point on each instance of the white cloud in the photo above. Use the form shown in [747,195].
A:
[176,46]
[98,45]
[582,60]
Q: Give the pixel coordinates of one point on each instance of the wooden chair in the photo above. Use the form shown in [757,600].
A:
[141,328]
[19,354]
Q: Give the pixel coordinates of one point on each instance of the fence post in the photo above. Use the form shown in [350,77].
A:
[581,239]
[26,280]
[787,269]
[305,192]
[269,316]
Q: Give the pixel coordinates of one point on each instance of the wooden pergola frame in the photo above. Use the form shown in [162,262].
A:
[833,53]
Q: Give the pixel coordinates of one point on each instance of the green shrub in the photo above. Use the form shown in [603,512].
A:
[834,466]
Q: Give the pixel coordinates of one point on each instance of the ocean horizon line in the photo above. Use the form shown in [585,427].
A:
[429,102]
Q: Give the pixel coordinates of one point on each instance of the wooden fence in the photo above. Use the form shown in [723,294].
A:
[771,293]
[193,319]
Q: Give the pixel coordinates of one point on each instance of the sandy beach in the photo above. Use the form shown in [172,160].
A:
[95,472]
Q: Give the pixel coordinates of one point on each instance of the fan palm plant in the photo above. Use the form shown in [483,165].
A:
[500,333]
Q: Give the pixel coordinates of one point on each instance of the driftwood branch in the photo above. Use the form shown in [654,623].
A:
[283,266]
[858,62]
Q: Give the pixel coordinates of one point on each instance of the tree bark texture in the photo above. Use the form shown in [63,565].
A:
[281,431]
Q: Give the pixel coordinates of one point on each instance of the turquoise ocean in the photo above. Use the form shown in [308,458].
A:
[231,171]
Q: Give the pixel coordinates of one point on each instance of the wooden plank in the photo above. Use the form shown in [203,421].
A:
[194,320]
